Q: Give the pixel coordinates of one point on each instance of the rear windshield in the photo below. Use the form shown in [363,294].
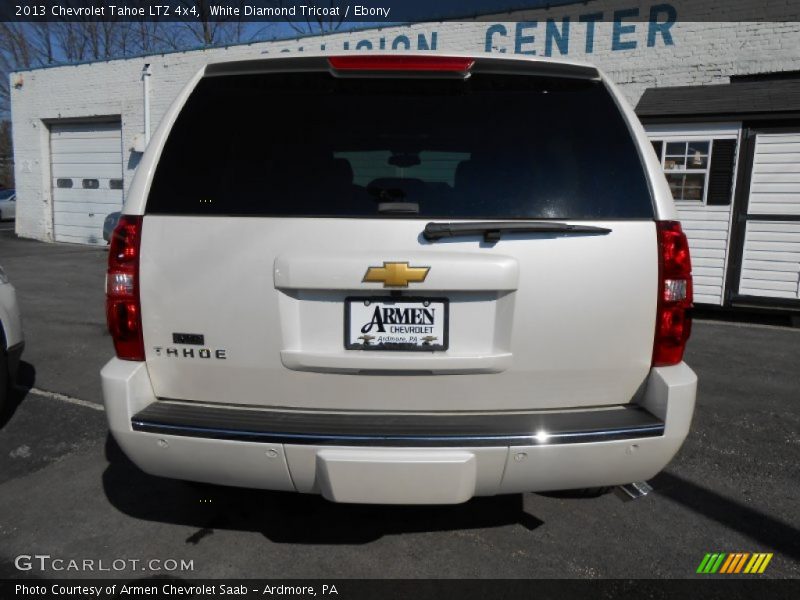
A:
[492,146]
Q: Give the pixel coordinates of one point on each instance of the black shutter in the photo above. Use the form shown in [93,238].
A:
[720,177]
[657,147]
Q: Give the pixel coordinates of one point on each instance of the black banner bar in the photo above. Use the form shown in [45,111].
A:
[385,12]
[708,588]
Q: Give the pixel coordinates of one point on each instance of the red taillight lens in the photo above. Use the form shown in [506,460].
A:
[673,321]
[400,63]
[123,312]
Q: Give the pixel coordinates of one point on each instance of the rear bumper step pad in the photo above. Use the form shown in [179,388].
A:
[172,417]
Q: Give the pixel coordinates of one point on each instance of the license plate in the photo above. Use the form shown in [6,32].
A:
[384,323]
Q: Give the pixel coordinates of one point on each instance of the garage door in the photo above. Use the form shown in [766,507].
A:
[771,254]
[86,178]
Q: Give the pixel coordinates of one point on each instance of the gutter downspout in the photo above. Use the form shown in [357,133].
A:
[146,73]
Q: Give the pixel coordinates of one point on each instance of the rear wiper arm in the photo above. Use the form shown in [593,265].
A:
[492,231]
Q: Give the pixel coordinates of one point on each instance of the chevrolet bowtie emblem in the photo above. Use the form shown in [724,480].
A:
[396,274]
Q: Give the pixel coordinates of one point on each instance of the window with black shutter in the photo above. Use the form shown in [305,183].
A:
[698,170]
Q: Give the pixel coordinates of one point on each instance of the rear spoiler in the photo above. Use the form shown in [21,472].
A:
[493,65]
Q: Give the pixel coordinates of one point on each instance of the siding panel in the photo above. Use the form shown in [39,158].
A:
[776,154]
[771,261]
[707,228]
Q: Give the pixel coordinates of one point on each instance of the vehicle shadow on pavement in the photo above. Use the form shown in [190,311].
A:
[763,528]
[284,517]
[26,379]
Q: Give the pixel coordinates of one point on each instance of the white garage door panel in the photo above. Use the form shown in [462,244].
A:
[78,196]
[71,158]
[87,170]
[80,220]
[84,151]
[87,232]
[80,235]
[70,146]
[88,211]
[92,130]
[87,208]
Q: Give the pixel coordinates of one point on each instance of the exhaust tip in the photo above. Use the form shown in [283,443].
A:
[633,491]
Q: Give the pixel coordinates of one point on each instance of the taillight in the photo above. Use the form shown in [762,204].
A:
[401,63]
[123,311]
[673,319]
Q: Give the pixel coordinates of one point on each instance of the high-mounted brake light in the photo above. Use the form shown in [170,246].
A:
[673,319]
[123,310]
[401,63]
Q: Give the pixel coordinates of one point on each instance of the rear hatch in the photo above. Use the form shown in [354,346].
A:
[284,261]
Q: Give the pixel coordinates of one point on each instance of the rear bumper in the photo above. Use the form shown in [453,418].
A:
[399,459]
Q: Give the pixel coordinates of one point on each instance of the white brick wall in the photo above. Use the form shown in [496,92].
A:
[701,53]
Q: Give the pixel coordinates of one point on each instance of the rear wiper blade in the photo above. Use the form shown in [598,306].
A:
[492,230]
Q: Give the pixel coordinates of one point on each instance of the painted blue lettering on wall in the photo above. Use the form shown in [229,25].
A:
[659,27]
[401,42]
[558,33]
[490,33]
[590,21]
[401,39]
[617,43]
[559,36]
[422,43]
[521,39]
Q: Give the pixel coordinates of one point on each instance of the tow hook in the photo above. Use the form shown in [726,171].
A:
[633,491]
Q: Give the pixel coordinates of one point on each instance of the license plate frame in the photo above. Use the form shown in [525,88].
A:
[397,347]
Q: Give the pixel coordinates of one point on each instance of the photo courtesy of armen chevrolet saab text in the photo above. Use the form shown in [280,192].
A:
[407,279]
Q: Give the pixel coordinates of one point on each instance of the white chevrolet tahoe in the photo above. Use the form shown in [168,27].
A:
[400,279]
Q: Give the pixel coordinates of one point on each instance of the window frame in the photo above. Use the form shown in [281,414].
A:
[706,172]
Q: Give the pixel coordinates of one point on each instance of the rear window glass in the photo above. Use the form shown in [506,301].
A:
[492,146]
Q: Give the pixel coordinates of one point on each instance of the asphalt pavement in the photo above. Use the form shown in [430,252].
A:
[67,491]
